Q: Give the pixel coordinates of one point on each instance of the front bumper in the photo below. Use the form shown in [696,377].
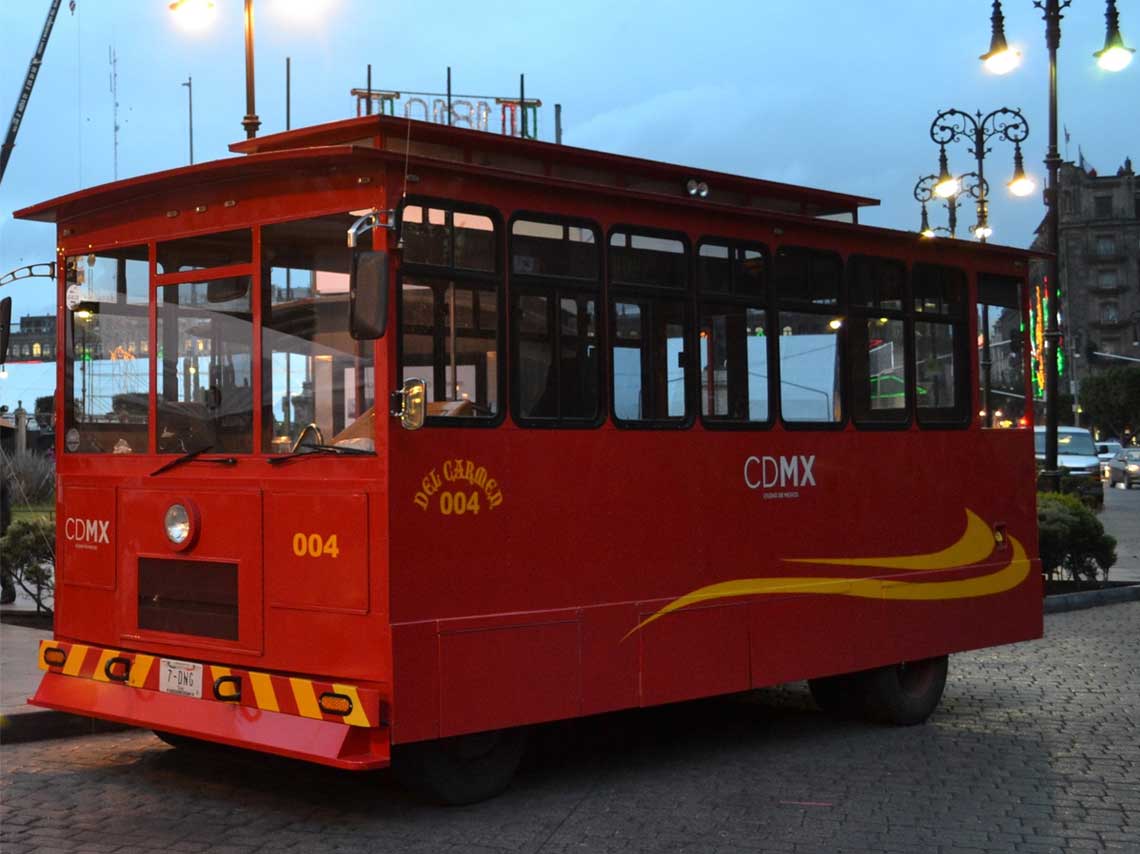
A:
[261,711]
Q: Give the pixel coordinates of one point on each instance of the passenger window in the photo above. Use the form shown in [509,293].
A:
[205,366]
[649,317]
[106,363]
[313,372]
[732,281]
[1001,370]
[555,292]
[449,310]
[939,341]
[219,249]
[807,284]
[876,340]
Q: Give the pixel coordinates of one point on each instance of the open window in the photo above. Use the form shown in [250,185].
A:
[876,341]
[807,284]
[450,330]
[732,287]
[1000,352]
[940,367]
[650,323]
[555,322]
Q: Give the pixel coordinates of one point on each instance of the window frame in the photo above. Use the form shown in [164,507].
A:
[800,306]
[732,298]
[495,278]
[985,281]
[615,292]
[556,288]
[862,313]
[963,380]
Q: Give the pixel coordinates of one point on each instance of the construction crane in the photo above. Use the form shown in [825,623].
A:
[29,82]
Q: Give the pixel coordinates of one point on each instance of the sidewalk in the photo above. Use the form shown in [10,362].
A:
[19,677]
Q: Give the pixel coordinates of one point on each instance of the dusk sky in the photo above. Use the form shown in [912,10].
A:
[837,94]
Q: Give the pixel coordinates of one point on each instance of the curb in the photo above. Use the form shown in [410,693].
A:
[43,724]
[1091,599]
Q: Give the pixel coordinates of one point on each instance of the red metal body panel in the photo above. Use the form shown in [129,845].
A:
[566,594]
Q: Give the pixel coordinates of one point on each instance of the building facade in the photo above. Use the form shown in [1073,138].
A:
[33,340]
[1099,263]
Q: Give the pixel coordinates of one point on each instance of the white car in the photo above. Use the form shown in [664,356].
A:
[1076,453]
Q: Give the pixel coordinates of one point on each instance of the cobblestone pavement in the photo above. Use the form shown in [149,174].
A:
[1036,748]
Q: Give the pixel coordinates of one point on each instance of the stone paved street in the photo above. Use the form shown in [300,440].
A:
[1035,749]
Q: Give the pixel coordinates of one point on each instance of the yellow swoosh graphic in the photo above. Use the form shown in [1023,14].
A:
[864,588]
[974,546]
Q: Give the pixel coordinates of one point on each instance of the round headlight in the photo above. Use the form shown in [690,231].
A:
[177,524]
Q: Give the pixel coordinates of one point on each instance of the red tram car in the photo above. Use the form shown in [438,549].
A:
[683,434]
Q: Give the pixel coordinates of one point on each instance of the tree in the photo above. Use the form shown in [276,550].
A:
[1112,400]
[27,559]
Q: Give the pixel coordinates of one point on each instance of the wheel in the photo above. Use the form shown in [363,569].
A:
[463,769]
[905,694]
[840,696]
[185,742]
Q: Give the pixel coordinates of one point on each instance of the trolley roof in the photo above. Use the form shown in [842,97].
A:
[320,145]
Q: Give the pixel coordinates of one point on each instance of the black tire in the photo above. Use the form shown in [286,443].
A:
[185,742]
[905,694]
[464,769]
[839,696]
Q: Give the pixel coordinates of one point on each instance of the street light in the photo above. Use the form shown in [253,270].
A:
[1000,58]
[926,190]
[196,14]
[1113,57]
[952,125]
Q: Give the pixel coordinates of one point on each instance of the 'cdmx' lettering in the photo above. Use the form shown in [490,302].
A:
[86,530]
[767,472]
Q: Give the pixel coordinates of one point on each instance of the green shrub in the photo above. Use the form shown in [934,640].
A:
[31,477]
[27,559]
[1089,490]
[1071,539]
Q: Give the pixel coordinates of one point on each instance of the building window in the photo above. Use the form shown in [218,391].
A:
[1109,312]
[1102,207]
[1105,246]
[1106,278]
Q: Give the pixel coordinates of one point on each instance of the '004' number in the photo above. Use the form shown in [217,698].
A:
[314,545]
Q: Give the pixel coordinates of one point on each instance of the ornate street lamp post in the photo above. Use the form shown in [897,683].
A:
[924,192]
[1114,56]
[952,125]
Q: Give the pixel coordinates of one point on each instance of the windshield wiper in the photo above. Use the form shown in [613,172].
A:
[318,450]
[193,455]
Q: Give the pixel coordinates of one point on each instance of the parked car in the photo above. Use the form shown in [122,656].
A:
[1124,468]
[1076,452]
[1105,451]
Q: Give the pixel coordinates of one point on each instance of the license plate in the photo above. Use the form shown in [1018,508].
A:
[180,677]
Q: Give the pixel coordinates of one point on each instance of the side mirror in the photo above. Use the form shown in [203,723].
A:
[409,404]
[368,295]
[5,322]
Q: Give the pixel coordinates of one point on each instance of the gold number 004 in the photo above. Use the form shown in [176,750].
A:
[314,545]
